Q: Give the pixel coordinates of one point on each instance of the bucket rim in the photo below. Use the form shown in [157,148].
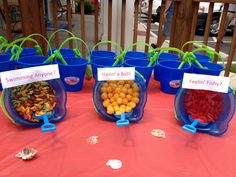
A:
[93,62]
[171,68]
[140,52]
[154,64]
[85,61]
[35,56]
[107,51]
[211,63]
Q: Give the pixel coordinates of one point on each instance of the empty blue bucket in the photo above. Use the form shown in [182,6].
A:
[102,54]
[31,61]
[212,68]
[201,57]
[25,52]
[142,67]
[171,76]
[136,55]
[102,63]
[72,75]
[65,52]
[5,64]
[162,57]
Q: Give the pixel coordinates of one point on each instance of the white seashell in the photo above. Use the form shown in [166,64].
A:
[114,164]
[27,153]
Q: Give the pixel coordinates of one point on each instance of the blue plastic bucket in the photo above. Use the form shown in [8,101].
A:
[171,76]
[162,57]
[25,52]
[142,67]
[5,64]
[200,57]
[212,68]
[65,52]
[102,54]
[216,128]
[31,61]
[136,55]
[102,63]
[72,75]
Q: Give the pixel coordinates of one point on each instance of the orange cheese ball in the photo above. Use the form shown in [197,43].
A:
[135,100]
[119,101]
[110,110]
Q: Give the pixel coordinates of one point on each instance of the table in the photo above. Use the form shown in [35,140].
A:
[66,152]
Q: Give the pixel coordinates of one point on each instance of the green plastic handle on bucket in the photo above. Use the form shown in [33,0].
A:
[37,47]
[58,54]
[212,53]
[142,43]
[194,42]
[108,42]
[185,59]
[122,53]
[180,52]
[76,50]
[156,55]
[63,30]
[194,59]
[22,39]
[15,51]
[153,59]
[3,43]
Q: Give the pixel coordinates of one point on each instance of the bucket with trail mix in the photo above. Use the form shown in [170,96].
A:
[22,104]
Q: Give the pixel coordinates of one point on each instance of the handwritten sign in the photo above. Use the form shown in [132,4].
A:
[116,73]
[206,82]
[28,75]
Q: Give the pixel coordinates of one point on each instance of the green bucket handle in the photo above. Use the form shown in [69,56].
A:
[16,51]
[58,55]
[194,42]
[3,42]
[211,52]
[37,47]
[119,58]
[156,55]
[123,53]
[62,30]
[76,50]
[108,42]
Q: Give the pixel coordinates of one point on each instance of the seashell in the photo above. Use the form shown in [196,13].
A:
[27,153]
[158,133]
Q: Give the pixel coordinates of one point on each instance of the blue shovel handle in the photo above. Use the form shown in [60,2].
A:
[123,121]
[192,127]
[47,126]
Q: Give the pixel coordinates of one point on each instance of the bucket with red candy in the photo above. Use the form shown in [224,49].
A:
[204,111]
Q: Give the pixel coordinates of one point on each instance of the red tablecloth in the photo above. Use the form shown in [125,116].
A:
[66,153]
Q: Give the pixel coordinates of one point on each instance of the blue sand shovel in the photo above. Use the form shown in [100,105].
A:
[47,126]
[192,127]
[123,121]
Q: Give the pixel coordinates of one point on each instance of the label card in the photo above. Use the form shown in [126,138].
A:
[28,75]
[206,82]
[116,73]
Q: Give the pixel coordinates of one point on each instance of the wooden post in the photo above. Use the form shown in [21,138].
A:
[8,21]
[69,19]
[33,19]
[183,22]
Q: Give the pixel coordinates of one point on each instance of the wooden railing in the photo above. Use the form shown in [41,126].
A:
[183,24]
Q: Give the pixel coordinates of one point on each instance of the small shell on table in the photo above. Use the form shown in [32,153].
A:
[27,153]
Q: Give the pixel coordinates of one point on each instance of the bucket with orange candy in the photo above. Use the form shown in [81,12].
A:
[122,101]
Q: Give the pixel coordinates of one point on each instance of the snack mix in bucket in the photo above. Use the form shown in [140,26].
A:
[114,98]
